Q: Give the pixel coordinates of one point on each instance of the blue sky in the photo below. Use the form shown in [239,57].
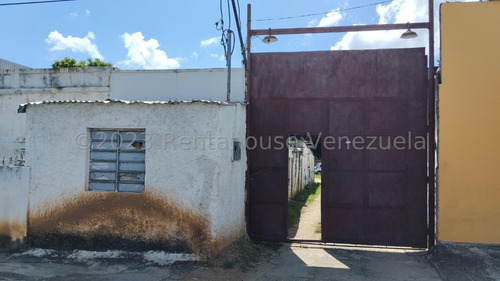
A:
[166,34]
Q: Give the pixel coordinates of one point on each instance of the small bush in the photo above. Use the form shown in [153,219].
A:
[69,62]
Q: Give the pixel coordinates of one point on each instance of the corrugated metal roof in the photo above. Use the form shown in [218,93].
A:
[5,64]
[22,107]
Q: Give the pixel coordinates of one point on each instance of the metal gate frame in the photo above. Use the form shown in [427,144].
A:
[431,145]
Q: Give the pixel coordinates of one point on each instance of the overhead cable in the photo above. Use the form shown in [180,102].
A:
[324,13]
[33,2]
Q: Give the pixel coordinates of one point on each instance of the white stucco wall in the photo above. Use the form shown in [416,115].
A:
[19,86]
[202,180]
[184,84]
[13,204]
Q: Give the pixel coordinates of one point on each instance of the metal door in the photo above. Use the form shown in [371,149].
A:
[359,102]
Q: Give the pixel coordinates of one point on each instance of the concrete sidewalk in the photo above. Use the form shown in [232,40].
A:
[289,262]
[466,262]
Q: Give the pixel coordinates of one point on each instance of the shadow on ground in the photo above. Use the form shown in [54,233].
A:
[254,260]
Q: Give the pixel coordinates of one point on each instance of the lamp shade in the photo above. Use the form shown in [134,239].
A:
[269,39]
[409,34]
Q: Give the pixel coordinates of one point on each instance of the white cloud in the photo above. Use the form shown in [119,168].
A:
[194,55]
[219,57]
[58,42]
[398,11]
[146,54]
[210,41]
[332,18]
[380,40]
[75,15]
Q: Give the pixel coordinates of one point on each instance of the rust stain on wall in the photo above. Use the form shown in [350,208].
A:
[11,234]
[12,229]
[125,221]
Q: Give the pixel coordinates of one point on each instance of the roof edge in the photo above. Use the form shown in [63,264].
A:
[22,107]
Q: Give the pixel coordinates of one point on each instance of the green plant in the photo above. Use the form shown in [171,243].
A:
[69,62]
[317,229]
[97,62]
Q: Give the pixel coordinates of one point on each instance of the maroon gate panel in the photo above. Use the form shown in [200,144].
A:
[370,109]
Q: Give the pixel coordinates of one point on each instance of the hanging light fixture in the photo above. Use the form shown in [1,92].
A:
[409,33]
[269,38]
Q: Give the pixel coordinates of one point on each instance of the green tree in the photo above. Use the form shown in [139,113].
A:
[69,62]
[97,62]
[66,62]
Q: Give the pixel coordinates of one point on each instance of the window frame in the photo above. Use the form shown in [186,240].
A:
[117,160]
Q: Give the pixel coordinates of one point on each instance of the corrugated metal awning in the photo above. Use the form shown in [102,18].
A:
[22,107]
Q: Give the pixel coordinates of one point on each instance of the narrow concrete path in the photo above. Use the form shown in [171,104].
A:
[309,220]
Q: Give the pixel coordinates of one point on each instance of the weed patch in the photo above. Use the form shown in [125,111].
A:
[318,228]
[246,253]
[301,200]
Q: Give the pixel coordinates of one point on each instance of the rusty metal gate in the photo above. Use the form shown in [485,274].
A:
[369,108]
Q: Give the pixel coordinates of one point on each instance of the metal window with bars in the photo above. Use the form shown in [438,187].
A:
[117,160]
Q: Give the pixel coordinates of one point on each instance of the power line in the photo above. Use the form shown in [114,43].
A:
[226,32]
[238,26]
[33,2]
[324,13]
[223,39]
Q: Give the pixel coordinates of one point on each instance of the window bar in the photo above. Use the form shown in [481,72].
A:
[117,168]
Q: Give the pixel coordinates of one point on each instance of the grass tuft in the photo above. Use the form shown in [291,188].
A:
[301,200]
[318,228]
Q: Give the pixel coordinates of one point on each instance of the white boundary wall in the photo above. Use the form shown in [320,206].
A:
[18,86]
[14,182]
[182,84]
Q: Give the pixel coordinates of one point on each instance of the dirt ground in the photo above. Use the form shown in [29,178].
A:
[245,260]
[239,261]
[309,220]
[250,260]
